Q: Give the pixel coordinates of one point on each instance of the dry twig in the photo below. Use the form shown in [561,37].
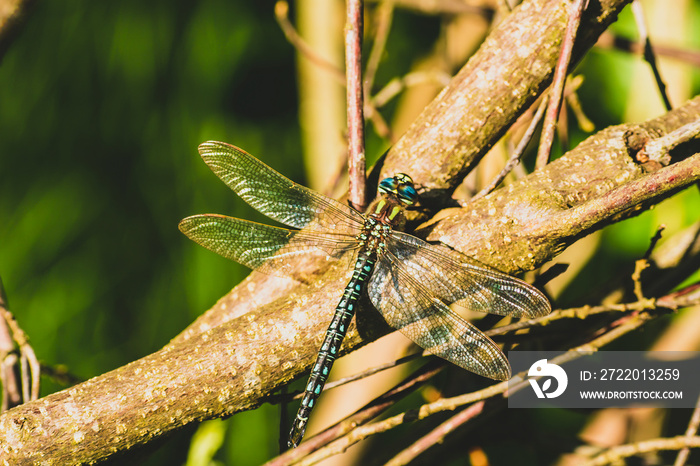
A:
[557,89]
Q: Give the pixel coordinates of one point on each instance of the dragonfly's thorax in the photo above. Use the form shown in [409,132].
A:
[386,213]
[373,238]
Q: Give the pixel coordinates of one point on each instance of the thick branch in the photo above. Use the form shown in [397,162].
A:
[266,331]
[597,183]
[497,84]
[233,366]
[502,80]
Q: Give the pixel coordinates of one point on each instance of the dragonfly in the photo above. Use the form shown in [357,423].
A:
[409,281]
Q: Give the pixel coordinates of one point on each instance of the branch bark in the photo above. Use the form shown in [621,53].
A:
[513,66]
[267,330]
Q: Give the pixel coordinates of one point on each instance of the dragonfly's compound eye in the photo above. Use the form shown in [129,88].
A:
[403,178]
[388,185]
[407,194]
[400,185]
[404,189]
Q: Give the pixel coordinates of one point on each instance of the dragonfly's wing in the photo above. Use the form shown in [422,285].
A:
[460,280]
[261,247]
[409,307]
[275,195]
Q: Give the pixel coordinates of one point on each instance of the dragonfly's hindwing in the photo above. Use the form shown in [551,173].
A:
[408,306]
[262,247]
[459,279]
[408,280]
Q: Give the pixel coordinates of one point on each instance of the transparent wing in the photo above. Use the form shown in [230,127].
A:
[261,247]
[408,306]
[458,279]
[275,195]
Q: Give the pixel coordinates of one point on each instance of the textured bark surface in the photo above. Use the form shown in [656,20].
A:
[595,184]
[513,66]
[266,332]
[497,85]
[233,366]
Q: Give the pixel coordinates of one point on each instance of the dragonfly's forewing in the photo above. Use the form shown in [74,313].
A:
[275,195]
[410,307]
[460,280]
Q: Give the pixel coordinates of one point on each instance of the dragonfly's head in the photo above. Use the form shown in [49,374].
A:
[401,186]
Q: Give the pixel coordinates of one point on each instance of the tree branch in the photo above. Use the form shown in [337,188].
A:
[357,172]
[594,185]
[502,80]
[267,330]
[232,366]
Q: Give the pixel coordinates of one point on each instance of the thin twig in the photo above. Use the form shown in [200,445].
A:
[649,54]
[559,79]
[380,125]
[282,17]
[654,241]
[674,300]
[283,425]
[10,391]
[346,380]
[437,435]
[443,7]
[624,326]
[574,313]
[30,369]
[610,40]
[384,15]
[364,431]
[639,266]
[688,296]
[503,6]
[643,263]
[616,454]
[396,85]
[519,150]
[391,90]
[363,415]
[355,103]
[571,96]
[689,432]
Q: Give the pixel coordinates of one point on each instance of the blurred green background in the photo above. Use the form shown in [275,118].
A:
[102,106]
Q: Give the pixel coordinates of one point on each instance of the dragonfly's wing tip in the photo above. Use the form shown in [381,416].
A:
[542,307]
[500,370]
[187,224]
[497,369]
[210,146]
[182,225]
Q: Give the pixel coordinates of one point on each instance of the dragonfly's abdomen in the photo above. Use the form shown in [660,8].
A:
[331,344]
